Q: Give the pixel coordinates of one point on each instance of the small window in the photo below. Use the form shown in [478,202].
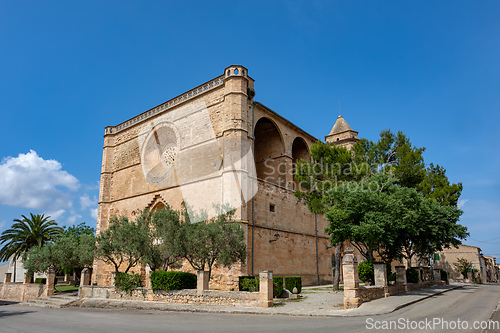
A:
[272,208]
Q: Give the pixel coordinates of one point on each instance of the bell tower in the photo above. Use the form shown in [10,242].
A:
[342,134]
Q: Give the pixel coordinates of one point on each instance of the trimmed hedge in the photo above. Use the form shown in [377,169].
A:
[248,283]
[412,275]
[251,283]
[277,286]
[293,281]
[161,280]
[41,280]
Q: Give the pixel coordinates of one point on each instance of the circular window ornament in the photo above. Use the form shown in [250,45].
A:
[159,152]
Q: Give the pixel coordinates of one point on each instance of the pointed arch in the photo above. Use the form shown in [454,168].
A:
[157,203]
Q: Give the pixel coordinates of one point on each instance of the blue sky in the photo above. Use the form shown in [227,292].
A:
[68,69]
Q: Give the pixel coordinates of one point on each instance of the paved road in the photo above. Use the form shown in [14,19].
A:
[471,303]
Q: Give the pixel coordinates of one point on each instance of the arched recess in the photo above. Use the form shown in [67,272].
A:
[269,151]
[158,206]
[299,152]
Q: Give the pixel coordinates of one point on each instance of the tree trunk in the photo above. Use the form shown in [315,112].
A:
[336,278]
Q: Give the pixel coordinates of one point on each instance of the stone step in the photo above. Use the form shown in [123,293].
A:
[56,301]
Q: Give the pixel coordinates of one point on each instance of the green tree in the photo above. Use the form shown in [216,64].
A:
[79,229]
[360,213]
[436,185]
[329,166]
[217,241]
[392,154]
[391,203]
[68,253]
[26,233]
[162,249]
[463,266]
[122,243]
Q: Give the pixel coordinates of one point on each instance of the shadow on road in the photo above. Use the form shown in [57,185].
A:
[7,302]
[13,313]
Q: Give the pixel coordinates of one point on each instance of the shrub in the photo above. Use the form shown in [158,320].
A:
[293,281]
[248,283]
[277,286]
[41,280]
[161,280]
[128,282]
[251,283]
[444,276]
[366,272]
[412,275]
[391,277]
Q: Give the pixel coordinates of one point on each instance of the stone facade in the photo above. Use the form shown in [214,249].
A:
[202,145]
[448,257]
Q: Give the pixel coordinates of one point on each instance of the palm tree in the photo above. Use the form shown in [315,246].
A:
[26,233]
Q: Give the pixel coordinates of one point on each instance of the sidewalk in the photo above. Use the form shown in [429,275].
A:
[316,301]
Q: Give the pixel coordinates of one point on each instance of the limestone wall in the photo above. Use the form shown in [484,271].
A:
[187,296]
[20,292]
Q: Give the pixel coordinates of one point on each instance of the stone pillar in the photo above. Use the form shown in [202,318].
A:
[201,282]
[469,277]
[66,278]
[147,275]
[437,274]
[7,278]
[51,278]
[85,277]
[266,289]
[351,281]
[400,275]
[380,274]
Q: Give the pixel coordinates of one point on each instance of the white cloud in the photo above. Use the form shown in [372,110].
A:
[2,224]
[55,215]
[93,213]
[30,181]
[462,202]
[86,202]
[91,204]
[73,218]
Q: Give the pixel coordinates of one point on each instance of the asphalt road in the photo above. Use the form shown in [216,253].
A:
[469,304]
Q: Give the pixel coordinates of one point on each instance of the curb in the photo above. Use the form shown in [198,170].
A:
[115,304]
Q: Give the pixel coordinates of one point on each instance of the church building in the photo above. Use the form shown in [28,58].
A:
[213,145]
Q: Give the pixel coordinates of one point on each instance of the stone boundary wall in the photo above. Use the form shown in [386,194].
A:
[19,292]
[186,296]
[367,294]
[371,293]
